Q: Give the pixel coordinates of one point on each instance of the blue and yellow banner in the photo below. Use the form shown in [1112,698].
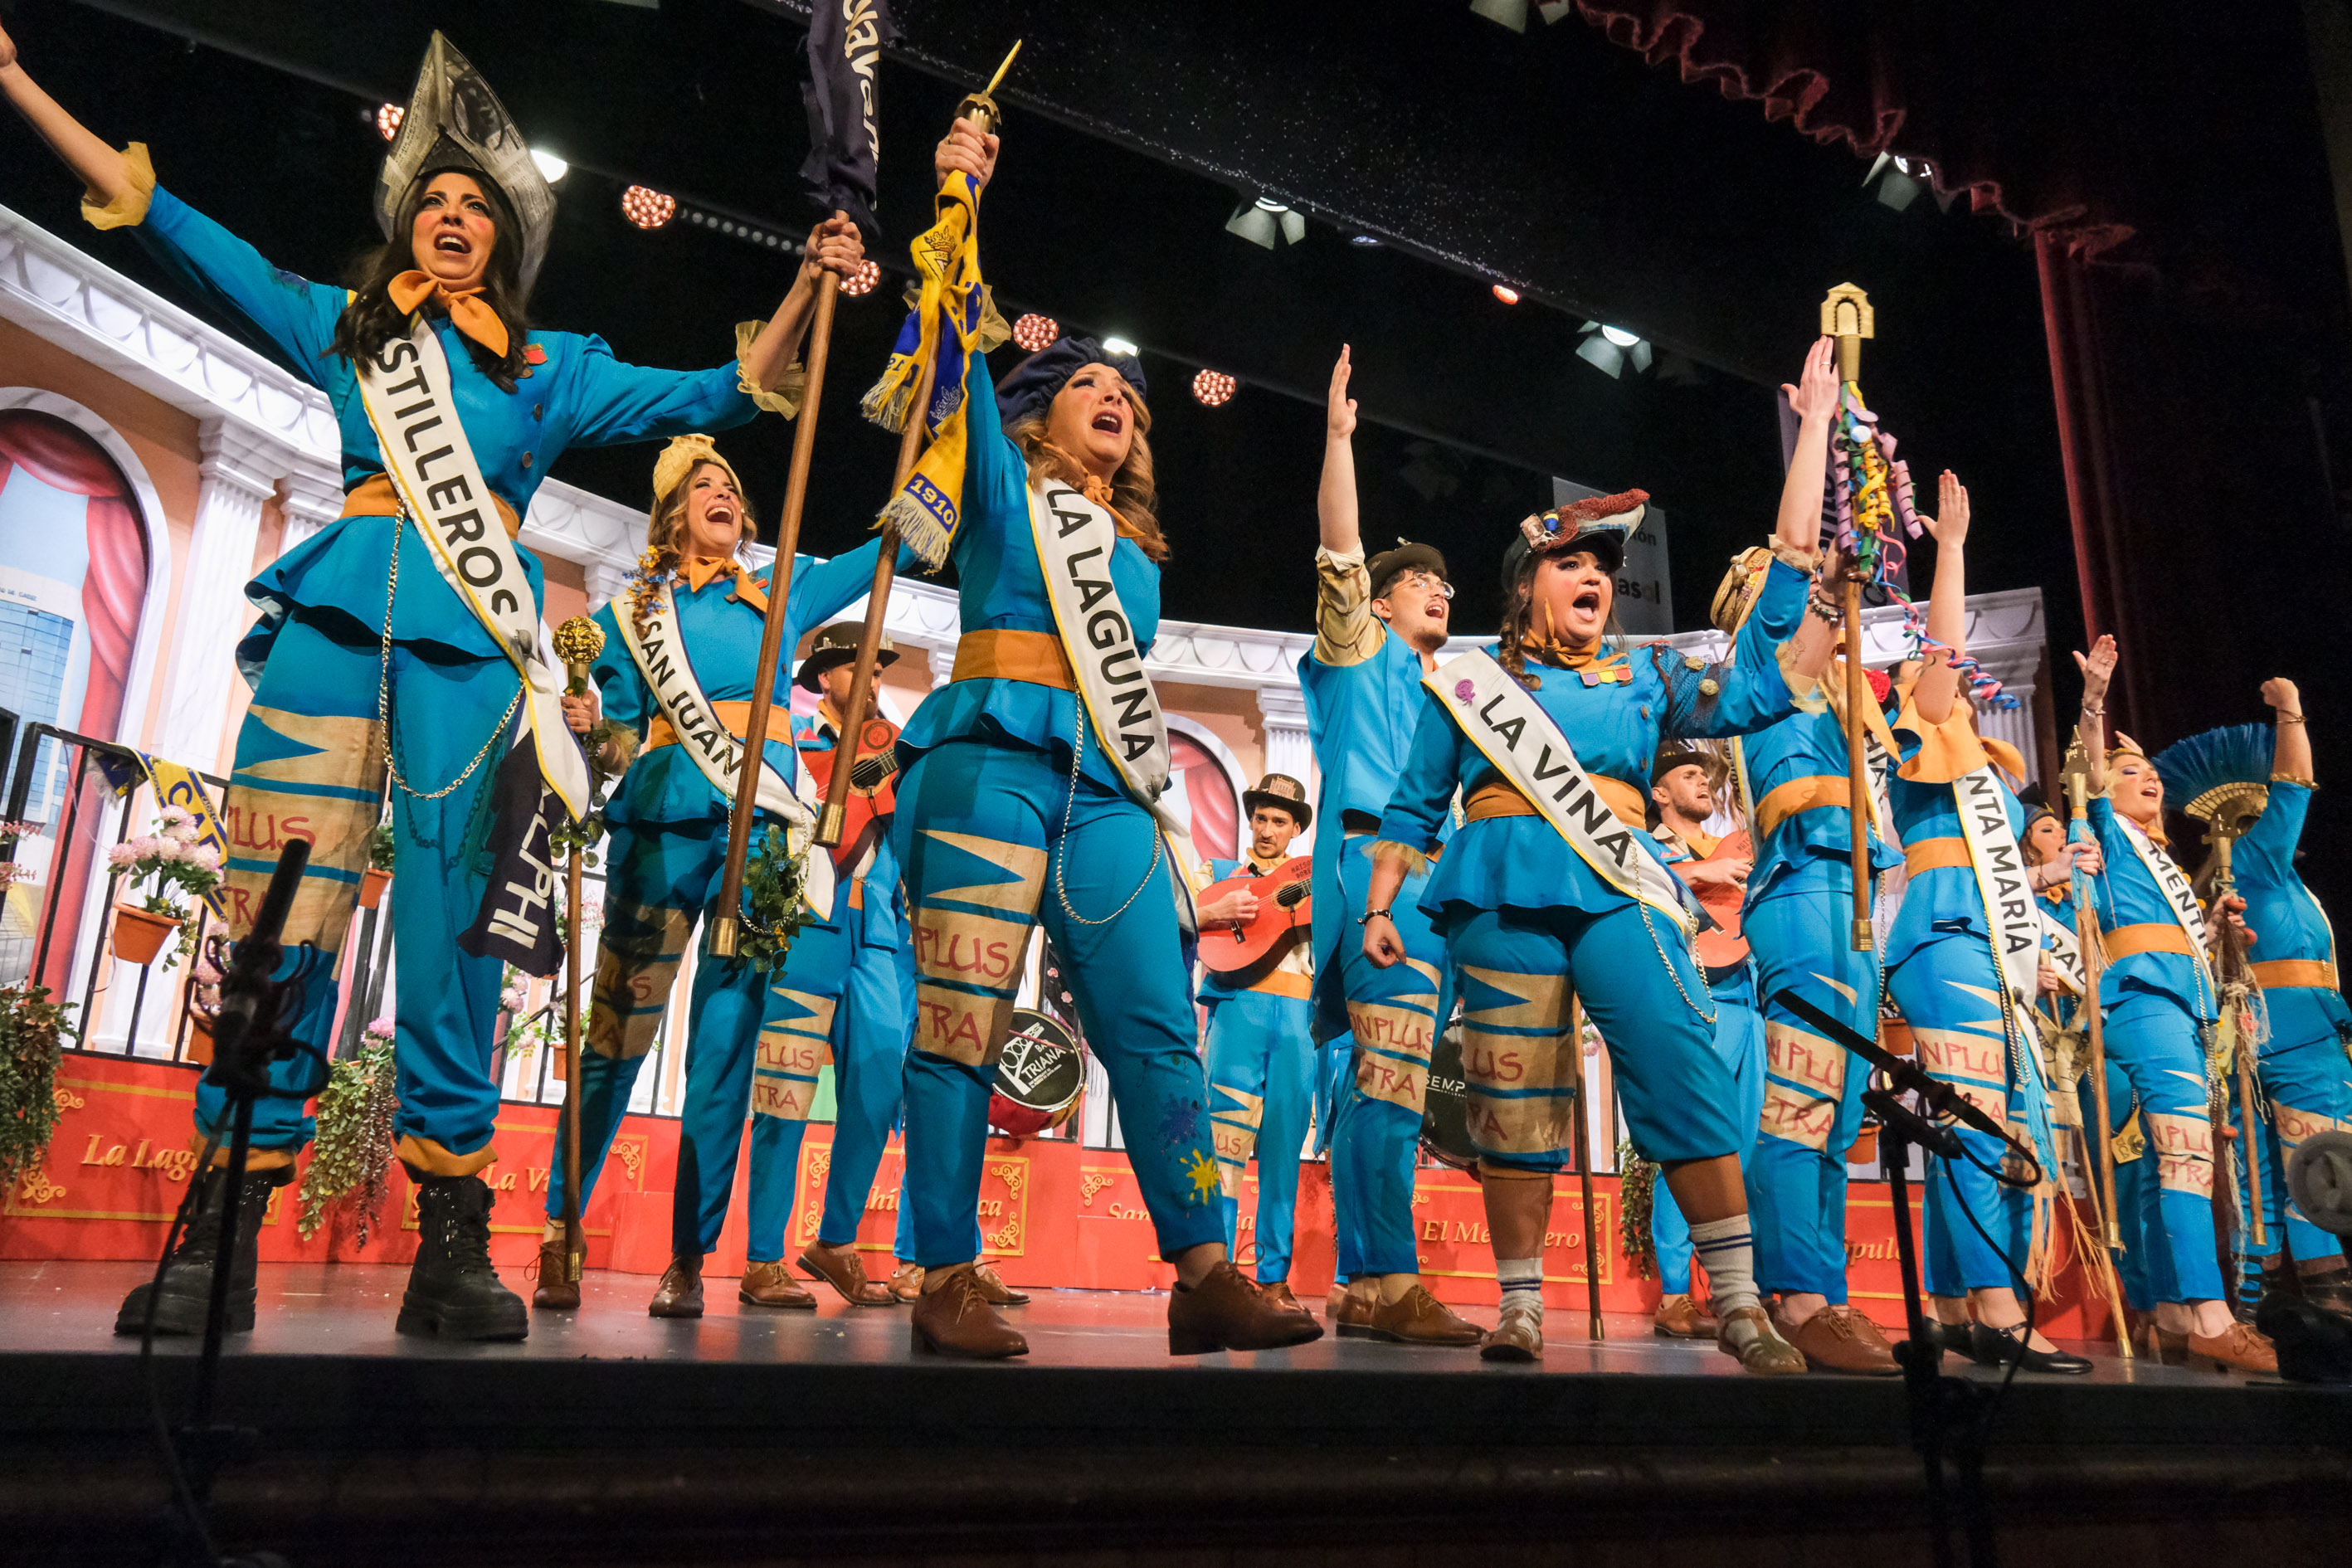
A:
[178,786]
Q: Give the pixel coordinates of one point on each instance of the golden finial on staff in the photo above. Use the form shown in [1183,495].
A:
[1846,316]
[981,107]
[578,641]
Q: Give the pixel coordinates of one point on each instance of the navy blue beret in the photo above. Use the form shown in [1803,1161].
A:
[1031,386]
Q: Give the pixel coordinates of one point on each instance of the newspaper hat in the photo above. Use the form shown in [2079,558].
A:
[1283,793]
[455,121]
[835,646]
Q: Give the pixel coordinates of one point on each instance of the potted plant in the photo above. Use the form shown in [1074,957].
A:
[378,876]
[32,1032]
[174,867]
[351,1152]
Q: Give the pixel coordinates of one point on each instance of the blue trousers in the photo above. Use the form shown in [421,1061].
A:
[1948,990]
[1393,1017]
[869,1068]
[752,1042]
[299,750]
[2307,1080]
[1739,1041]
[992,838]
[1801,938]
[2156,1043]
[1261,1068]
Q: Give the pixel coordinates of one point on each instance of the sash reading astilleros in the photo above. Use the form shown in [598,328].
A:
[431,462]
[1999,861]
[662,661]
[1075,538]
[1506,722]
[2173,883]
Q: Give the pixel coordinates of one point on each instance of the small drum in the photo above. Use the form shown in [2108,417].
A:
[1445,1110]
[1038,1077]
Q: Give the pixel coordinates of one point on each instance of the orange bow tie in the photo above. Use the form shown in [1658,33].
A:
[701,571]
[469,311]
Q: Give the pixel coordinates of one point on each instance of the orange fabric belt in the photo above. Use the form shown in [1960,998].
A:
[375,497]
[1936,854]
[1500,799]
[1810,794]
[2280,973]
[735,718]
[2156,936]
[1284,983]
[1007,655]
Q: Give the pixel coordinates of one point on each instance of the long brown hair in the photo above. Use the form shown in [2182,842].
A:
[662,529]
[1518,624]
[1135,495]
[371,321]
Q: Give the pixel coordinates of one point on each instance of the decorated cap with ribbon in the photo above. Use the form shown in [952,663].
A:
[455,121]
[1597,523]
[1283,793]
[1735,596]
[1030,387]
[681,458]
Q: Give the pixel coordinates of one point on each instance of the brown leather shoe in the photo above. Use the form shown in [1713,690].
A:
[1516,1336]
[1679,1318]
[1839,1339]
[907,1282]
[994,1290]
[1225,1313]
[1279,1294]
[555,1293]
[1418,1318]
[1764,1352]
[772,1285]
[1349,1310]
[956,1320]
[2236,1349]
[680,1295]
[841,1268]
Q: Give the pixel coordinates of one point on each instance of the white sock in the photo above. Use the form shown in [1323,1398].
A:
[1728,1249]
[1522,1282]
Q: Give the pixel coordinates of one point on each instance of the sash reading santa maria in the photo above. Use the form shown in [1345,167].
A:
[1075,538]
[431,462]
[1506,722]
[661,659]
[1999,861]
[2173,883]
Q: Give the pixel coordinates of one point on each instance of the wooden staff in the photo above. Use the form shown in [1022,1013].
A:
[2233,978]
[578,641]
[726,924]
[2101,1174]
[1584,1168]
[1846,316]
[980,110]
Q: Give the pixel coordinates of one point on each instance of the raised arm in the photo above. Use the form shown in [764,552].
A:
[101,169]
[1814,400]
[2098,668]
[2291,751]
[1335,501]
[1947,610]
[833,246]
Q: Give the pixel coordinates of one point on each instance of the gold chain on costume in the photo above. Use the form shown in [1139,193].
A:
[1706,1015]
[384,686]
[1069,804]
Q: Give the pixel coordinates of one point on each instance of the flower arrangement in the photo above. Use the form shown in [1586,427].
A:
[12,873]
[526,1030]
[174,867]
[32,1032]
[351,1154]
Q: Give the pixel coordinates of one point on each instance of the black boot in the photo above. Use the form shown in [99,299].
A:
[186,1292]
[453,1291]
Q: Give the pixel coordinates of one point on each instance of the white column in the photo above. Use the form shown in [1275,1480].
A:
[239,471]
[312,498]
[942,664]
[2014,665]
[603,580]
[1282,719]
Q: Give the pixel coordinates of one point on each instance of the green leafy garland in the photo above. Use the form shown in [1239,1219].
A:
[31,1030]
[775,901]
[1637,1186]
[352,1152]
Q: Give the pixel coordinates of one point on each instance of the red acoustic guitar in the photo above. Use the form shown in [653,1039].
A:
[1721,943]
[1286,912]
[873,787]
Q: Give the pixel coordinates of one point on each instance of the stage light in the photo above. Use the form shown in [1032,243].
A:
[868,273]
[1033,331]
[1120,346]
[388,118]
[551,168]
[1513,13]
[1213,388]
[1610,349]
[1620,337]
[1363,240]
[1506,294]
[647,207]
[1267,223]
[1897,187]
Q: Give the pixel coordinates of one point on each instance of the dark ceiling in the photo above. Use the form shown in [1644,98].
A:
[1600,187]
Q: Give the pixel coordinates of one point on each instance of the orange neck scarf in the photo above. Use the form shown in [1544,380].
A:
[701,570]
[469,311]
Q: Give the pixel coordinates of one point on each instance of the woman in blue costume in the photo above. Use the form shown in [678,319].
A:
[2161,1006]
[749,1035]
[1531,918]
[2225,776]
[1010,810]
[356,663]
[1971,1010]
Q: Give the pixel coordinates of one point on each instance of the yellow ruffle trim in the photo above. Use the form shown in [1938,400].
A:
[128,210]
[785,397]
[2291,778]
[1415,861]
[1788,554]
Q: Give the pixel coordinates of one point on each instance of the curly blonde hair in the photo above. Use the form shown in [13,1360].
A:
[1135,494]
